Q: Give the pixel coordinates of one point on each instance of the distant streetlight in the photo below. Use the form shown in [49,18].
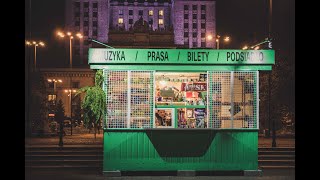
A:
[54,81]
[256,48]
[35,44]
[70,91]
[62,35]
[225,39]
[245,48]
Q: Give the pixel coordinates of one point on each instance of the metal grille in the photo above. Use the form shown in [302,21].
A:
[219,99]
[141,92]
[117,103]
[233,99]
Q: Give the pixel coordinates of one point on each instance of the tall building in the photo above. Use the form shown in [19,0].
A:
[191,21]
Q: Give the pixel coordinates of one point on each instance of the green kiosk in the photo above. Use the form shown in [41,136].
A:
[181,110]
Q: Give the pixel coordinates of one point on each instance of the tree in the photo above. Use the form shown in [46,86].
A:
[282,91]
[94,102]
[77,110]
[59,116]
[38,105]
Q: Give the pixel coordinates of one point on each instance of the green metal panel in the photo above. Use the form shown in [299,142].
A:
[180,56]
[164,150]
[185,68]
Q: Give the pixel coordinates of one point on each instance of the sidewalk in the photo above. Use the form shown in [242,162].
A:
[88,139]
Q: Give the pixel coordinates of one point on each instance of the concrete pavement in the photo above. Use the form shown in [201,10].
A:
[88,139]
[288,174]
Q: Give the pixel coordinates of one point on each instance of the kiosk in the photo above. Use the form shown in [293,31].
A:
[181,109]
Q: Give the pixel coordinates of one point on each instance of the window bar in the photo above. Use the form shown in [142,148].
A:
[209,109]
[244,103]
[232,98]
[104,87]
[257,100]
[129,99]
[153,100]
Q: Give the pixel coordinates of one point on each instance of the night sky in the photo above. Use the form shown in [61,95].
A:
[245,21]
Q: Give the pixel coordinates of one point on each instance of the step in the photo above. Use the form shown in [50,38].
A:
[276,162]
[63,162]
[65,152]
[276,152]
[64,157]
[277,167]
[68,148]
[276,157]
[72,168]
[276,148]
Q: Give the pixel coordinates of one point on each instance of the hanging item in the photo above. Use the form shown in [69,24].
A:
[194,87]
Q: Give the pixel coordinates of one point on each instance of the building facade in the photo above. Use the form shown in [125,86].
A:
[191,21]
[62,84]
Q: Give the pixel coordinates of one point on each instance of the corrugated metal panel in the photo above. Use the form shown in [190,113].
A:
[180,150]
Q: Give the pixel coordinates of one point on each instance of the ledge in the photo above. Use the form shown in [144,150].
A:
[177,129]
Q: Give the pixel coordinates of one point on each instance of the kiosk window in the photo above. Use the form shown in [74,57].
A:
[232,104]
[129,99]
[187,94]
[213,99]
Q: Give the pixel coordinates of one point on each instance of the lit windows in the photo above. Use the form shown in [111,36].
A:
[161,13]
[120,21]
[150,13]
[160,21]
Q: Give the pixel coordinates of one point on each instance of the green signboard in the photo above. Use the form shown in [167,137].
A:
[180,56]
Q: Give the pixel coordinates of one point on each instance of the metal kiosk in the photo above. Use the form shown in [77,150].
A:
[182,110]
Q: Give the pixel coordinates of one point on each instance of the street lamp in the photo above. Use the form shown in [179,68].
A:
[80,36]
[54,81]
[70,91]
[62,35]
[225,39]
[245,47]
[35,44]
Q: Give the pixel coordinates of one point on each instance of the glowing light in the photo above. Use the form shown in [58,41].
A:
[227,39]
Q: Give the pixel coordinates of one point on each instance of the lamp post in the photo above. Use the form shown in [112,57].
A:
[54,81]
[62,35]
[225,39]
[70,91]
[274,144]
[35,44]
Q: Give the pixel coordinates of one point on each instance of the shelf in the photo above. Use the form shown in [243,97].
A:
[218,103]
[181,106]
[147,117]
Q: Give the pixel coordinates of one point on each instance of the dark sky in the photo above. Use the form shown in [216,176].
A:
[243,20]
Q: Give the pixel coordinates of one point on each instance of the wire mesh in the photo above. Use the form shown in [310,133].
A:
[247,98]
[117,103]
[141,105]
[236,108]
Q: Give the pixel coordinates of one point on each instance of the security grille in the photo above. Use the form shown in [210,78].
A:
[117,101]
[141,93]
[139,112]
[233,99]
